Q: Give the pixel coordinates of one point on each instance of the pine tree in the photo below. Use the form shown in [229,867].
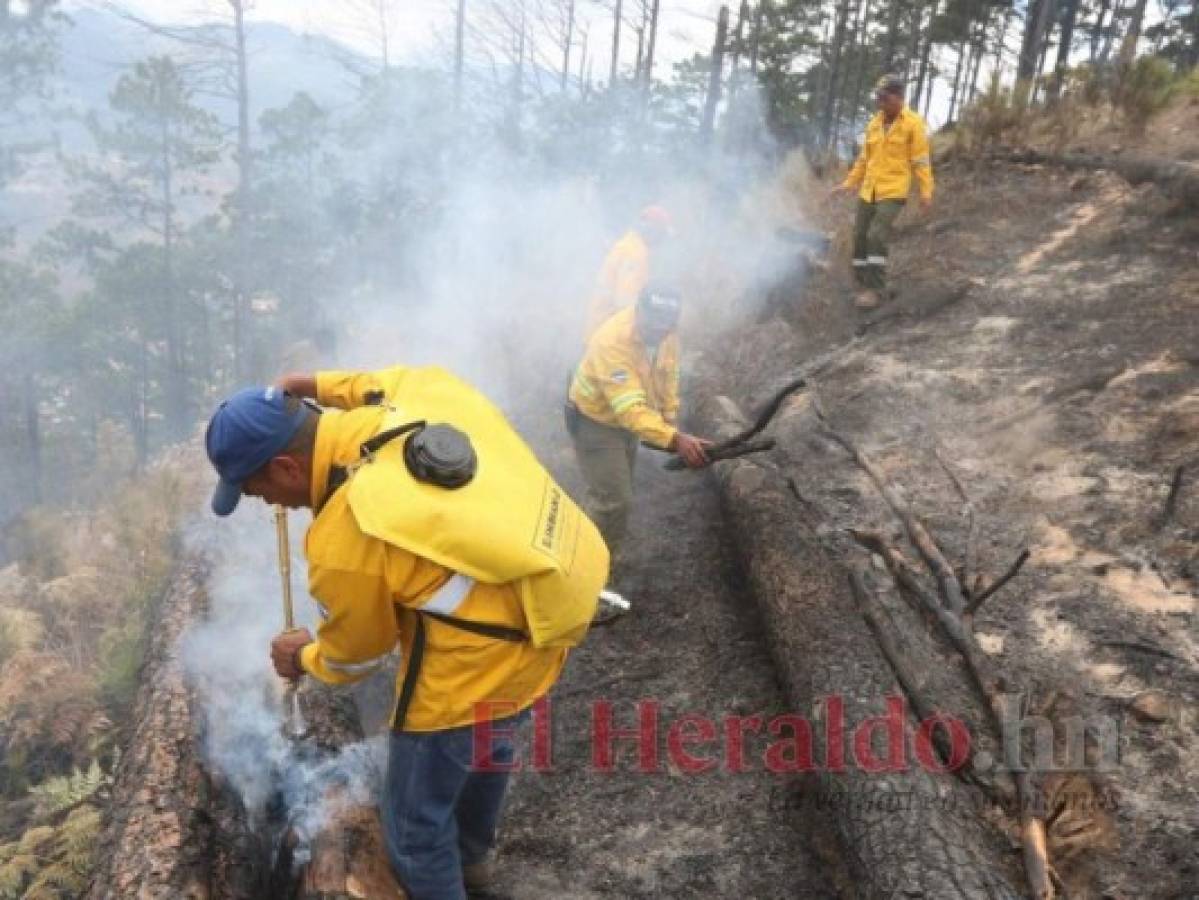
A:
[150,158]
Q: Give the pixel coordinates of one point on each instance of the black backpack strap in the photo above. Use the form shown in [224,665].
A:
[380,440]
[486,629]
[408,688]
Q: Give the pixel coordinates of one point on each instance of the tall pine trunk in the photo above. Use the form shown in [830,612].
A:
[834,71]
[1128,48]
[1069,16]
[1034,35]
[460,52]
[33,436]
[708,125]
[924,55]
[957,80]
[648,83]
[855,97]
[616,23]
[570,34]
[244,162]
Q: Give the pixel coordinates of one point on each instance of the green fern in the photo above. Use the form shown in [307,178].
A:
[61,791]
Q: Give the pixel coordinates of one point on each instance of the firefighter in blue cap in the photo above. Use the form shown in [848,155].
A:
[436,527]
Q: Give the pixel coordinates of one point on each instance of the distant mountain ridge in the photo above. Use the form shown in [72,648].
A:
[98,46]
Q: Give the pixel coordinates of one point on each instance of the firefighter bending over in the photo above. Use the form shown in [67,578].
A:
[434,525]
[626,390]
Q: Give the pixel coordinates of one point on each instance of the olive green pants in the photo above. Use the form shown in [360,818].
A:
[871,237]
[606,458]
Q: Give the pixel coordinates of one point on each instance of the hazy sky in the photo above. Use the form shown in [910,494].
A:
[423,28]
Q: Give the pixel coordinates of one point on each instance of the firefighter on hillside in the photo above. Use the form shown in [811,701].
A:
[626,268]
[894,149]
[626,390]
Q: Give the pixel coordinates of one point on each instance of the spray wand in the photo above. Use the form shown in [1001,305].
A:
[293,724]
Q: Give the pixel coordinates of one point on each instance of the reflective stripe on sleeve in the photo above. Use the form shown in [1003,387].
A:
[861,262]
[584,386]
[621,402]
[358,668]
[876,260]
[449,596]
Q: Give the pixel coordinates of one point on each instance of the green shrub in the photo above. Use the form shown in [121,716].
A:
[998,114]
[1145,89]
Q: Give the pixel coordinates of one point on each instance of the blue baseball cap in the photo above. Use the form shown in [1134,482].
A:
[245,433]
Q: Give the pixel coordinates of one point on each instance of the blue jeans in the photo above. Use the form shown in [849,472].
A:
[439,812]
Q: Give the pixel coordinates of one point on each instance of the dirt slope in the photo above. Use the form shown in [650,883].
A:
[694,645]
[1044,345]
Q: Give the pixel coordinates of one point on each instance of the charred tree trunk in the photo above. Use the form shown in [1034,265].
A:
[1180,180]
[176,829]
[173,830]
[906,831]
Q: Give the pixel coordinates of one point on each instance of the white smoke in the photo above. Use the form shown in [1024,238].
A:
[227,661]
[497,291]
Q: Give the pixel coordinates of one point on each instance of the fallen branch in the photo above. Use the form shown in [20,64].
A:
[1171,498]
[999,582]
[769,411]
[947,580]
[1179,179]
[991,687]
[924,709]
[719,453]
[1142,646]
[970,558]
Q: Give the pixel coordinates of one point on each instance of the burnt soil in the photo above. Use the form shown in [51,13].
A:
[693,644]
[1044,347]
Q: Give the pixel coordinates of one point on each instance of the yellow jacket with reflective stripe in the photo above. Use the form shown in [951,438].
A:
[369,590]
[622,277]
[889,157]
[619,382]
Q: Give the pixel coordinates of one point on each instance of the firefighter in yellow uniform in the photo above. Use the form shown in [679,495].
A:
[895,148]
[626,268]
[466,653]
[626,390]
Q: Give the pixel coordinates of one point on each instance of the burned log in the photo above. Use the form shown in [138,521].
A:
[907,831]
[1178,179]
[177,828]
[174,830]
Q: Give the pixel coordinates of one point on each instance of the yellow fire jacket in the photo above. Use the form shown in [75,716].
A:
[623,275]
[884,168]
[619,383]
[369,591]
